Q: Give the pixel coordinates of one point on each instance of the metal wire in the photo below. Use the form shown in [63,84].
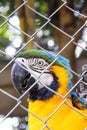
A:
[33,38]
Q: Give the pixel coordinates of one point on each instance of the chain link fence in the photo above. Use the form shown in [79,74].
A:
[18,100]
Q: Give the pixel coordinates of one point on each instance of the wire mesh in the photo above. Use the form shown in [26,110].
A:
[32,38]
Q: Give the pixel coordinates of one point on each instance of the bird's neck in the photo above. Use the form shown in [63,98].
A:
[43,108]
[63,78]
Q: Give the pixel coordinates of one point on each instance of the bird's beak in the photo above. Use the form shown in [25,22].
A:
[18,75]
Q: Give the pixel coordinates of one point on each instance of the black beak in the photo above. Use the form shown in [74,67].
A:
[19,77]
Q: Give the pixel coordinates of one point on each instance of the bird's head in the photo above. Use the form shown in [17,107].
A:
[31,71]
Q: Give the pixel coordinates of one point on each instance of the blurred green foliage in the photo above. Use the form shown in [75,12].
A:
[10,3]
[42,6]
[6,7]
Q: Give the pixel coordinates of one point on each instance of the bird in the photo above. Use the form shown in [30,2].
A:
[79,96]
[48,79]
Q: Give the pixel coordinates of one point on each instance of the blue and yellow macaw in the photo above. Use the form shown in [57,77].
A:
[48,82]
[79,97]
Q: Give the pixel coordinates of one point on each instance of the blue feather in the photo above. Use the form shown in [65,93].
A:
[76,101]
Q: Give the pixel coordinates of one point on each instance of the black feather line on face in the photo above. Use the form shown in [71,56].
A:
[44,93]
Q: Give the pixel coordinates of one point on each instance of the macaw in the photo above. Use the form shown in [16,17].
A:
[79,97]
[47,79]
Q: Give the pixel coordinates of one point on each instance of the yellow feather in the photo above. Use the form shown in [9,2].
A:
[63,79]
[64,118]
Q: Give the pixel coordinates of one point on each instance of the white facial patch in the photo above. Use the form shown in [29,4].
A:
[35,66]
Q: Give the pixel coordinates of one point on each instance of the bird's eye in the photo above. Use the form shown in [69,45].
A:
[40,63]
